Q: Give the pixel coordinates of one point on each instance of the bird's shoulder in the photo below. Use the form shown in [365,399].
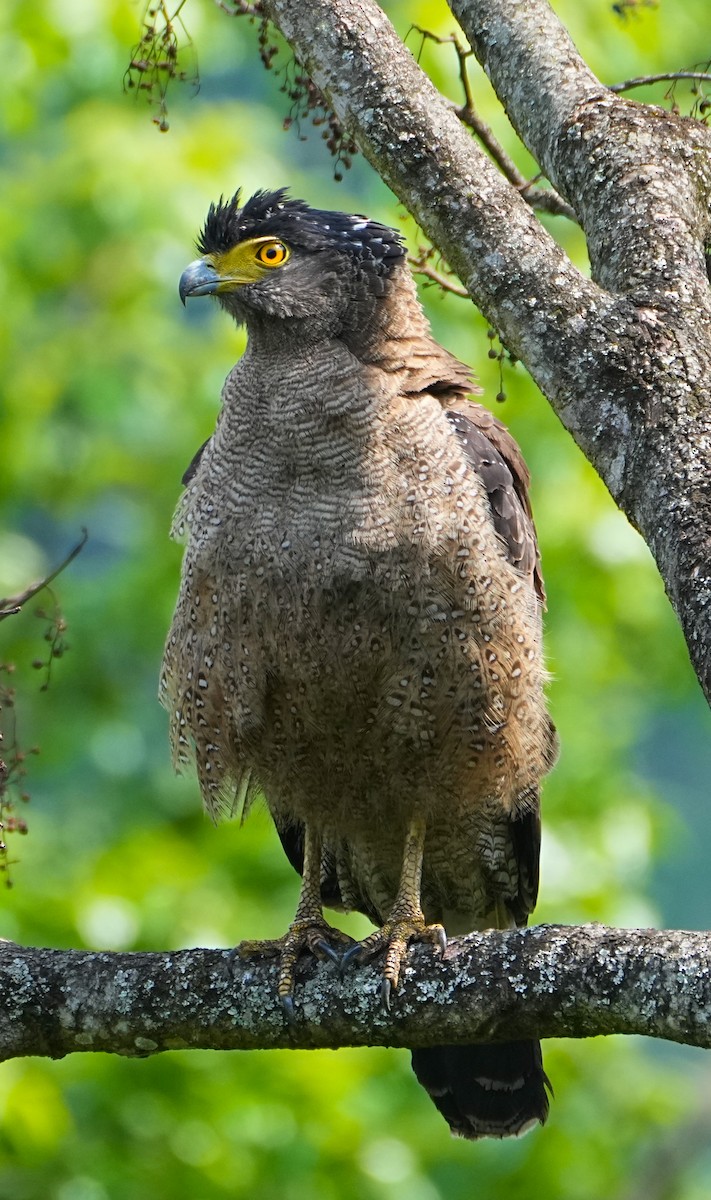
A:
[490,450]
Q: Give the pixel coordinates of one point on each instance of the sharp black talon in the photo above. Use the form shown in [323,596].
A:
[287,1003]
[232,958]
[350,955]
[385,993]
[442,940]
[330,953]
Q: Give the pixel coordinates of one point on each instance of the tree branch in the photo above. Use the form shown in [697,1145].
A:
[545,200]
[412,136]
[10,606]
[536,71]
[546,981]
[664,77]
[421,265]
[608,155]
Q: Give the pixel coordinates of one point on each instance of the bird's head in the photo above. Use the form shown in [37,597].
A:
[277,260]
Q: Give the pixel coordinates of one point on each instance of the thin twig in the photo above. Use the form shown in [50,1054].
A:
[240,8]
[422,267]
[10,605]
[665,77]
[468,116]
[546,200]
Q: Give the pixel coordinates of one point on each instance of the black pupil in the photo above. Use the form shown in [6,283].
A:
[272,252]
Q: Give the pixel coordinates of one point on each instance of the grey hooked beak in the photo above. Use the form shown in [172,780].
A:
[198,279]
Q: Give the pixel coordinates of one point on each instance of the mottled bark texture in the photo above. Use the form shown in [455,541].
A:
[547,981]
[624,357]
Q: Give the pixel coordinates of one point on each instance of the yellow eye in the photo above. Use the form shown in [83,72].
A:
[272,254]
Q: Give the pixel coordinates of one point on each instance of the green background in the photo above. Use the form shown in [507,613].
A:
[107,388]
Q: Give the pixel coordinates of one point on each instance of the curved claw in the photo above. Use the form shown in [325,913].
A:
[351,955]
[287,1003]
[394,937]
[328,951]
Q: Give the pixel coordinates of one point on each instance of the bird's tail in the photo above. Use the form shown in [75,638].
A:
[486,1090]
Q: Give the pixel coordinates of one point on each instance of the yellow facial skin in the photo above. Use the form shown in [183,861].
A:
[248,262]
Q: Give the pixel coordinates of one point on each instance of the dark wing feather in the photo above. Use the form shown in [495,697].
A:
[525,830]
[193,465]
[496,458]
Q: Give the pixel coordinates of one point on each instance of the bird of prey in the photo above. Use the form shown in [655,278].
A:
[358,630]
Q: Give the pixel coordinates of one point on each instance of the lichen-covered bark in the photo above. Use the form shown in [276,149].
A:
[547,981]
[625,358]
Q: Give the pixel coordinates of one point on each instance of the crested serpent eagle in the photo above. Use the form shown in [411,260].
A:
[358,631]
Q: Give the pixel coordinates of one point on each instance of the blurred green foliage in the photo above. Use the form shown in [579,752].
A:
[107,389]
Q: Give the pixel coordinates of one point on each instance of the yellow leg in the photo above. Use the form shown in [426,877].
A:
[406,922]
[307,933]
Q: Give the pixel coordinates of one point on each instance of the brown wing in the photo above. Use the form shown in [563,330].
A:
[498,461]
[489,447]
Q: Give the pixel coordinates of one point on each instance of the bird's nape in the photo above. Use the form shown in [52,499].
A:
[276,215]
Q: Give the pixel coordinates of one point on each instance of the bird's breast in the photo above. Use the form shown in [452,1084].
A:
[343,626]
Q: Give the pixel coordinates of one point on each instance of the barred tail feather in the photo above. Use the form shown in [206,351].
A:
[486,1090]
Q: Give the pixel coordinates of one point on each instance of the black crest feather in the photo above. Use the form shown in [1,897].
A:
[275,214]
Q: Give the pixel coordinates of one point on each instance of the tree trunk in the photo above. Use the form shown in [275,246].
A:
[624,358]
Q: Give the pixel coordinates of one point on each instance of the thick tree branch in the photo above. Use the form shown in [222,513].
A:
[600,150]
[535,69]
[626,359]
[547,981]
[543,200]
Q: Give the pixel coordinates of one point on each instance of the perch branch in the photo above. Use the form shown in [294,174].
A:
[546,981]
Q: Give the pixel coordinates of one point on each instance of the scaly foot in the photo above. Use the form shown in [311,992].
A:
[311,935]
[394,938]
